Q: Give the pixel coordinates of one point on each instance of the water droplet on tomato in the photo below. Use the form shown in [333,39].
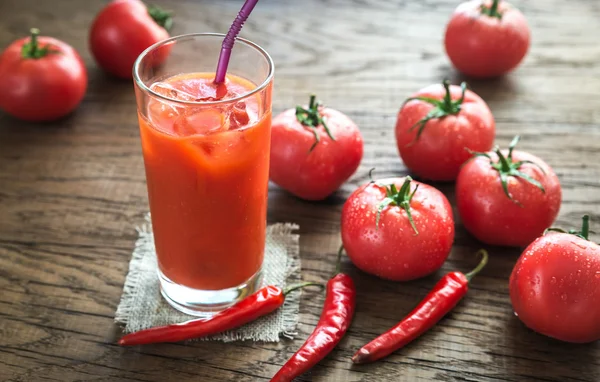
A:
[531,293]
[563,297]
[597,275]
[553,280]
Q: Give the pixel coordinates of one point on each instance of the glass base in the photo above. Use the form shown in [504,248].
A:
[205,303]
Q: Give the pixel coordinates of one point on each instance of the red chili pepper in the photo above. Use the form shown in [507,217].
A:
[336,317]
[442,299]
[261,303]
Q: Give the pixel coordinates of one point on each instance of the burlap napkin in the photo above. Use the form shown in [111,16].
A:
[142,305]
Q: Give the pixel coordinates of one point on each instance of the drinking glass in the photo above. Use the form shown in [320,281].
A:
[206,154]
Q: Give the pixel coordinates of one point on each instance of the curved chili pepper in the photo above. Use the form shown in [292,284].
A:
[261,303]
[336,317]
[442,299]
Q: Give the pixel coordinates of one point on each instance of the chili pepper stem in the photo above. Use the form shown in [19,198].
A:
[294,287]
[484,259]
[338,263]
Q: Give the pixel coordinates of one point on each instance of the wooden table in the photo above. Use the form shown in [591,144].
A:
[71,193]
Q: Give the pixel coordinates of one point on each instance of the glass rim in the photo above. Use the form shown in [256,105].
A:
[138,81]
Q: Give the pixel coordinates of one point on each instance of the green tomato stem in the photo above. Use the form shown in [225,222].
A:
[312,119]
[441,109]
[492,11]
[400,198]
[507,167]
[160,16]
[33,44]
[32,49]
[585,227]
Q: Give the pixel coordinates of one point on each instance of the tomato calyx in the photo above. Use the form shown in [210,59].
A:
[442,108]
[400,198]
[482,263]
[33,50]
[160,16]
[585,229]
[506,168]
[492,10]
[312,118]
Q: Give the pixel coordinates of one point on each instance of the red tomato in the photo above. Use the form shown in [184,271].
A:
[41,78]
[555,286]
[438,125]
[486,39]
[313,151]
[507,197]
[397,229]
[123,30]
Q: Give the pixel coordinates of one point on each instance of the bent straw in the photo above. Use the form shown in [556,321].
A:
[229,40]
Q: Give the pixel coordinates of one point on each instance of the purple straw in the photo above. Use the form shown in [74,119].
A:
[229,40]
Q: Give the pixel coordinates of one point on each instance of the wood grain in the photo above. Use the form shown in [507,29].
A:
[72,191]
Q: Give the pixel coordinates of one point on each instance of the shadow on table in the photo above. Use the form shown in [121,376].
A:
[535,356]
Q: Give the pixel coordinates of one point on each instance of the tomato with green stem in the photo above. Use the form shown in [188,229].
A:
[123,30]
[486,38]
[397,229]
[314,150]
[438,125]
[41,78]
[507,197]
[555,285]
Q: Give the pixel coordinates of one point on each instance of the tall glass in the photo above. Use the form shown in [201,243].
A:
[206,153]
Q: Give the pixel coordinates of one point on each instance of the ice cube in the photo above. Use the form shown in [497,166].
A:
[201,121]
[162,114]
[238,116]
[202,89]
[168,90]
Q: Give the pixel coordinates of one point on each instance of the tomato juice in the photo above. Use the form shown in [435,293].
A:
[206,153]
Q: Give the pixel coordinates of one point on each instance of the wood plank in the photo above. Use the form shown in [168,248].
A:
[71,193]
